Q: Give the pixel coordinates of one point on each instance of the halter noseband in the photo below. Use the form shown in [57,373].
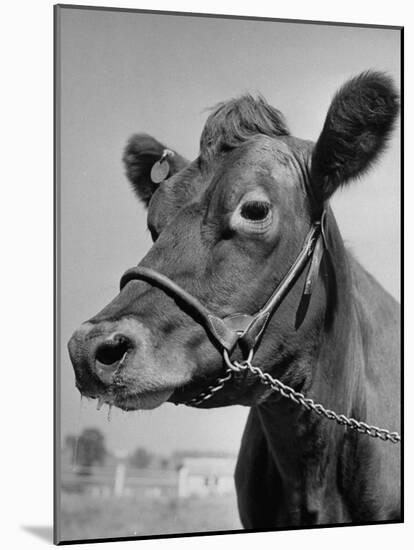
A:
[242,327]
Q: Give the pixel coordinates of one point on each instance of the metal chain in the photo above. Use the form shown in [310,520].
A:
[296,397]
[211,390]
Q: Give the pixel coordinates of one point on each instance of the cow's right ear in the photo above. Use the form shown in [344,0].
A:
[141,153]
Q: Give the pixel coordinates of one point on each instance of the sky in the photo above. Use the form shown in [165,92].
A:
[122,73]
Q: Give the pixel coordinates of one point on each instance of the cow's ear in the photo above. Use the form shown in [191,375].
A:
[141,153]
[356,130]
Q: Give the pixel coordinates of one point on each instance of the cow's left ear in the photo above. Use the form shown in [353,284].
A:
[356,129]
[141,153]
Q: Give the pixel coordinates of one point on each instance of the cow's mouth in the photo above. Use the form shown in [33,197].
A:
[126,397]
[128,401]
[141,401]
[136,385]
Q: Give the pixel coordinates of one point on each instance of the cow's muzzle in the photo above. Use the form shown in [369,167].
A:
[98,354]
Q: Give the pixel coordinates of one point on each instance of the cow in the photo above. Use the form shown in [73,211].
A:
[249,296]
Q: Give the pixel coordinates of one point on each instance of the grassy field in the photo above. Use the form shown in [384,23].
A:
[86,517]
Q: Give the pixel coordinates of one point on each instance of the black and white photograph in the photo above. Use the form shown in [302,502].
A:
[228,274]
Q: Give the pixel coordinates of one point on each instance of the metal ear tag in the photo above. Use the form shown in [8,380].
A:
[161,169]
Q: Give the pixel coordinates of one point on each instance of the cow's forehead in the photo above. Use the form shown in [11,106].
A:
[257,161]
[264,153]
[263,160]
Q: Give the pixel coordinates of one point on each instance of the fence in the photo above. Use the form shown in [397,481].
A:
[120,480]
[194,477]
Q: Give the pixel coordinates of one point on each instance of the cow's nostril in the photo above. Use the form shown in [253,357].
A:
[113,350]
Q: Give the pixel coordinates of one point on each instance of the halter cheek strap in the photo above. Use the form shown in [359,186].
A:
[240,327]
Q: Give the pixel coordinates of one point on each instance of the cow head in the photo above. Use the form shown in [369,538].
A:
[226,228]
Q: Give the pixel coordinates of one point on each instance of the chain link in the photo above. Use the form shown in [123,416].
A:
[296,397]
[211,390]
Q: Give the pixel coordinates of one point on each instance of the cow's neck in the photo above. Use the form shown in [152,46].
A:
[306,447]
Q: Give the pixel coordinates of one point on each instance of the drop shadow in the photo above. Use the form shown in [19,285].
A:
[44,532]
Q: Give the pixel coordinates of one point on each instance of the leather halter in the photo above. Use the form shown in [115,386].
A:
[247,329]
[241,327]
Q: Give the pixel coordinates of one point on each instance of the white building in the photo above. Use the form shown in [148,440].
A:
[205,476]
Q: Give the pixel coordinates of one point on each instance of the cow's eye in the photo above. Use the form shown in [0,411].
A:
[254,215]
[255,211]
